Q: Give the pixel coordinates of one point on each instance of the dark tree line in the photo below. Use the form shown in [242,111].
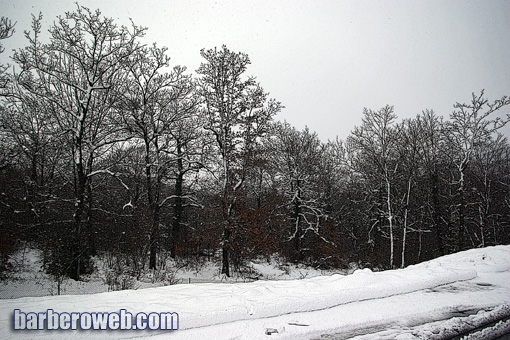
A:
[105,147]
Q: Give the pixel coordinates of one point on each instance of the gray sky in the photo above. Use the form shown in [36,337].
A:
[327,60]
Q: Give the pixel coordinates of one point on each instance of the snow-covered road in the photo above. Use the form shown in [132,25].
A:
[403,304]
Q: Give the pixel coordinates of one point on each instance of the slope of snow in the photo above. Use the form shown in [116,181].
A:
[440,289]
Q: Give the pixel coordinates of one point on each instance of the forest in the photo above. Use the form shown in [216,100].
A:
[106,147]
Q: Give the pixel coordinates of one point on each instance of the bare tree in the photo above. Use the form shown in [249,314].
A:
[189,156]
[157,102]
[297,159]
[488,174]
[6,31]
[432,152]
[375,143]
[470,125]
[34,142]
[78,73]
[236,112]
[410,155]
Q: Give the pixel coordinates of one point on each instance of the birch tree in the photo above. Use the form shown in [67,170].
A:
[375,143]
[409,157]
[488,177]
[471,124]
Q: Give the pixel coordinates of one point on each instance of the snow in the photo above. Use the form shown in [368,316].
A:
[420,301]
[30,280]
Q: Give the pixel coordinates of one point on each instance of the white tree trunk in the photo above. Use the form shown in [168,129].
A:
[390,219]
[405,223]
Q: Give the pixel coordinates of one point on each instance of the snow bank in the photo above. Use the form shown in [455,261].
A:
[202,305]
[482,260]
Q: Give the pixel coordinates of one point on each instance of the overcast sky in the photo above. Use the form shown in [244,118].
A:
[327,60]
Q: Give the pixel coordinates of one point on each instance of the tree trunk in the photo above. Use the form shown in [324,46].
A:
[462,204]
[90,246]
[154,238]
[152,200]
[390,219]
[297,219]
[178,208]
[404,237]
[225,266]
[77,248]
[436,213]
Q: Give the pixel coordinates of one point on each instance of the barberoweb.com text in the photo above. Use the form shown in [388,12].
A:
[122,320]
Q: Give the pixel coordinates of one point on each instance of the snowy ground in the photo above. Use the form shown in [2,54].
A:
[30,280]
[425,301]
